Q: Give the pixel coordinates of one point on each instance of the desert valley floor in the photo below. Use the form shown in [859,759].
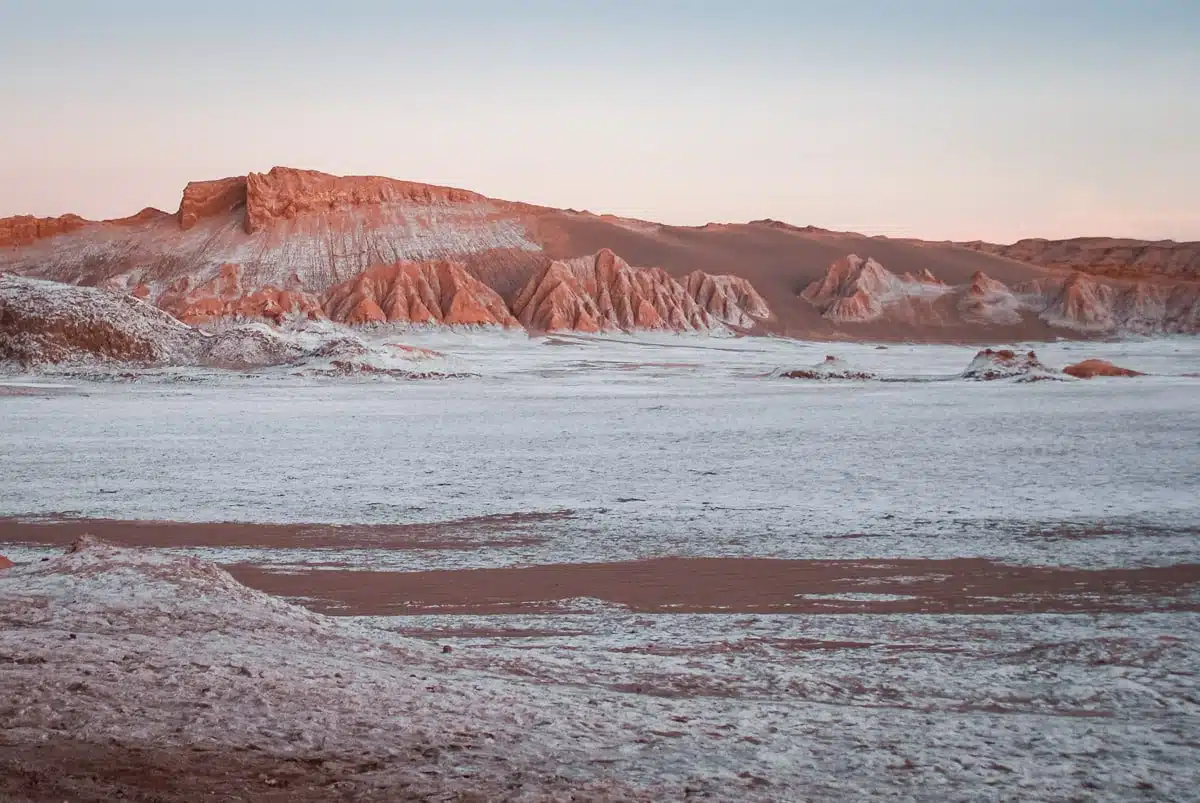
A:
[606,568]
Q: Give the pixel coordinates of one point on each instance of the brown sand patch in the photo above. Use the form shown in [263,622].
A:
[62,768]
[745,585]
[469,533]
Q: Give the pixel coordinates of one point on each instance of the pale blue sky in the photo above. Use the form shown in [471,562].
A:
[927,118]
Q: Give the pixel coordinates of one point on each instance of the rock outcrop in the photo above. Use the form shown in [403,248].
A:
[5,563]
[1089,369]
[49,322]
[857,290]
[1007,364]
[830,368]
[417,293]
[226,296]
[604,293]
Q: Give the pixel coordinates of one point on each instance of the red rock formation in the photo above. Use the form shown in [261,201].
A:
[285,193]
[1007,364]
[1104,256]
[224,296]
[1093,368]
[417,292]
[205,199]
[604,293]
[25,229]
[5,563]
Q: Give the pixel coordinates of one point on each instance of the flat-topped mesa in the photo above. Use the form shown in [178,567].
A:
[856,290]
[26,229]
[604,293]
[438,292]
[224,296]
[285,193]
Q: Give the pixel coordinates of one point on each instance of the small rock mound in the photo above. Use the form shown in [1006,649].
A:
[1008,364]
[5,563]
[43,322]
[1093,368]
[831,368]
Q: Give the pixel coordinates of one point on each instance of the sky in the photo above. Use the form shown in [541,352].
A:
[939,119]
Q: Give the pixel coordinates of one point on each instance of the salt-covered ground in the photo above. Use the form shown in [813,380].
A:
[670,445]
[648,446]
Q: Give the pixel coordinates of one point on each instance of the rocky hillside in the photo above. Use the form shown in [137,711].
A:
[364,249]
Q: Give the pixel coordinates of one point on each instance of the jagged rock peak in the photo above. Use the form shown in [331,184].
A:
[437,292]
[730,299]
[857,290]
[603,292]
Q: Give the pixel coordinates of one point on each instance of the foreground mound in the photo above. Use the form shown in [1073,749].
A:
[1007,364]
[5,563]
[1089,369]
[49,322]
[830,368]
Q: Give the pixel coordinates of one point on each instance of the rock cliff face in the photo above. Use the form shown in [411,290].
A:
[604,293]
[418,293]
[1104,256]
